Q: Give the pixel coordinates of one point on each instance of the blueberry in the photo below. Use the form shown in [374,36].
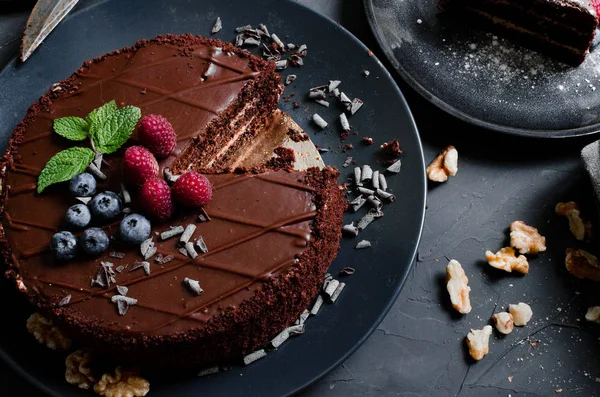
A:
[64,246]
[135,229]
[105,206]
[93,241]
[83,185]
[78,216]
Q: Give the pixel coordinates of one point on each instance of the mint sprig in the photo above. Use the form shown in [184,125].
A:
[107,127]
[64,165]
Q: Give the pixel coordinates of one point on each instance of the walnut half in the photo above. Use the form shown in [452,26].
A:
[582,264]
[122,384]
[521,313]
[458,288]
[504,322]
[445,164]
[46,333]
[478,341]
[593,314]
[526,238]
[78,371]
[579,227]
[506,260]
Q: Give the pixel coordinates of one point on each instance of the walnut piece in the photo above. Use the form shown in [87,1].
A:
[506,260]
[123,383]
[458,288]
[521,313]
[46,333]
[593,314]
[478,341]
[78,370]
[579,227]
[526,238]
[582,264]
[503,322]
[445,164]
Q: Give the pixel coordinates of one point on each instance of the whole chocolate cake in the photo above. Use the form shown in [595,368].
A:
[564,29]
[207,284]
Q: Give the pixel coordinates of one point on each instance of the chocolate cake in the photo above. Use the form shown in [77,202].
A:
[264,241]
[564,29]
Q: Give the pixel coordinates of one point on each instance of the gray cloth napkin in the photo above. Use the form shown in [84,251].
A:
[590,155]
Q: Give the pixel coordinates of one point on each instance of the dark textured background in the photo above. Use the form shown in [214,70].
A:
[419,349]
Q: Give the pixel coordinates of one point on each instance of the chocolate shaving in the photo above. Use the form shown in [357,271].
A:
[322,102]
[317,94]
[337,292]
[333,84]
[167,259]
[252,357]
[252,41]
[290,46]
[344,122]
[366,191]
[350,229]
[386,195]
[367,173]
[118,255]
[280,338]
[375,180]
[290,78]
[357,175]
[120,268]
[122,290]
[336,93]
[395,168]
[105,275]
[317,305]
[323,150]
[169,177]
[356,104]
[126,210]
[201,245]
[183,251]
[122,307]
[331,286]
[262,29]
[357,203]
[297,329]
[84,200]
[187,234]
[171,232]
[303,316]
[123,303]
[277,41]
[93,169]
[144,264]
[295,60]
[147,248]
[319,121]
[240,29]
[347,271]
[302,50]
[64,301]
[125,194]
[98,160]
[189,247]
[375,201]
[368,218]
[282,64]
[366,73]
[363,244]
[345,100]
[203,217]
[382,182]
[193,285]
[158,258]
[217,26]
[347,162]
[208,371]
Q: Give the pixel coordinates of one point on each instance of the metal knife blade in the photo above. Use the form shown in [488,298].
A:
[43,19]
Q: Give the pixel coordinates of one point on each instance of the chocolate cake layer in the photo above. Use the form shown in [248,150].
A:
[271,236]
[564,29]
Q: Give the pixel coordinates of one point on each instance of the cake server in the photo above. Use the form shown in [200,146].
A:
[46,14]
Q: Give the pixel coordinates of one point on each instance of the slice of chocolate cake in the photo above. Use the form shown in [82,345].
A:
[563,29]
[250,261]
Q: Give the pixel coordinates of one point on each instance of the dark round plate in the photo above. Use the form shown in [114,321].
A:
[484,79]
[333,53]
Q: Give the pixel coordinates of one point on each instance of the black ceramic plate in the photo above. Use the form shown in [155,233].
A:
[483,79]
[333,53]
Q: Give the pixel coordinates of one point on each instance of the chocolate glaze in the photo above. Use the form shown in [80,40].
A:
[266,228]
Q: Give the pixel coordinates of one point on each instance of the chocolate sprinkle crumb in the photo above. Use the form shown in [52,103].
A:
[64,301]
[122,290]
[347,162]
[217,26]
[347,271]
[193,285]
[395,168]
[363,244]
[118,255]
[252,357]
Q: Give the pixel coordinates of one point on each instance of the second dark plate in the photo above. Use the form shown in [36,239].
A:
[484,79]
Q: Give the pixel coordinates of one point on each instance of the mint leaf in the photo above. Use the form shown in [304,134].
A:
[73,128]
[98,117]
[64,165]
[117,129]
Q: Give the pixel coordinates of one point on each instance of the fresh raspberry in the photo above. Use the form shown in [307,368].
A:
[157,134]
[155,199]
[139,165]
[192,189]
